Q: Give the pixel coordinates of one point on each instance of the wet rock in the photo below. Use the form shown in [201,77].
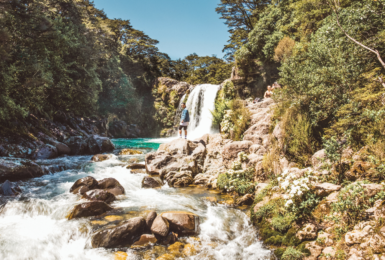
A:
[307,232]
[62,148]
[99,195]
[18,169]
[83,185]
[183,223]
[97,144]
[247,199]
[145,240]
[179,179]
[129,152]
[120,236]
[166,257]
[149,182]
[45,152]
[176,248]
[140,171]
[136,166]
[9,189]
[89,209]
[150,219]
[77,145]
[170,238]
[155,162]
[101,157]
[120,255]
[231,150]
[189,250]
[160,226]
[111,185]
[324,189]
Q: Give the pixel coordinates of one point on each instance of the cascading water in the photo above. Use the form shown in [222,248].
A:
[200,104]
[33,226]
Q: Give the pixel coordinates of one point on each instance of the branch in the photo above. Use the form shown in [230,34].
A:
[357,42]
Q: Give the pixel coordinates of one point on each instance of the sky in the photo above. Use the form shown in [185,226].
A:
[182,27]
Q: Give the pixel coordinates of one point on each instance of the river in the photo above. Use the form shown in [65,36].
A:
[34,225]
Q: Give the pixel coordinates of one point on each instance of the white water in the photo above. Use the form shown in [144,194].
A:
[34,226]
[200,104]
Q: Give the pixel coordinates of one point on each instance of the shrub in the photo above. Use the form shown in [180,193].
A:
[284,49]
[282,223]
[292,254]
[240,117]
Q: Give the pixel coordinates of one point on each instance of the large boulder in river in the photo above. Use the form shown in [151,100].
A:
[9,189]
[150,219]
[45,152]
[77,145]
[179,179]
[121,236]
[183,223]
[157,160]
[17,169]
[99,195]
[149,182]
[97,144]
[111,185]
[83,185]
[160,226]
[89,209]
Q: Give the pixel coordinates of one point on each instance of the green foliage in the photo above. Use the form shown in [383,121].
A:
[195,69]
[292,254]
[282,223]
[352,201]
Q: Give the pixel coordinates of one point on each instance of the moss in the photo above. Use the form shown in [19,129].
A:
[303,249]
[292,254]
[267,231]
[282,223]
[279,252]
[290,238]
[274,240]
[264,212]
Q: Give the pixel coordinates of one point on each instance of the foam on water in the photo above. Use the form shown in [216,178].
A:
[34,226]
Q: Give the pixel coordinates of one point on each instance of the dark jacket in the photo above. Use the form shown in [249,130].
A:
[185,115]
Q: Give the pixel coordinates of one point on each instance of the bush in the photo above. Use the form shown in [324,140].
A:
[292,254]
[282,223]
[284,49]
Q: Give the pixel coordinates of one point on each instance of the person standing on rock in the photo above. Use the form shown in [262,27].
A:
[184,121]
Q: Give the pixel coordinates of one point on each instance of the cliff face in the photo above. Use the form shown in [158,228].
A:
[168,94]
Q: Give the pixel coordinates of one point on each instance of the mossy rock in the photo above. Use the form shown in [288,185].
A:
[267,231]
[303,249]
[274,240]
[129,152]
[290,238]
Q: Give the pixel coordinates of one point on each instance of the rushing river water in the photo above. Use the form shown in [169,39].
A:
[34,225]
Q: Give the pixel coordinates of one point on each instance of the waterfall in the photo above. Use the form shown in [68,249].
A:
[200,104]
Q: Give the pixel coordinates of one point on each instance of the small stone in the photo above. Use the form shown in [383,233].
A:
[89,209]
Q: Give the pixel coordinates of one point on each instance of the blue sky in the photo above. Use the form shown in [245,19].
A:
[182,27]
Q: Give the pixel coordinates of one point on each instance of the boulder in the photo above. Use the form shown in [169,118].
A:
[231,150]
[213,163]
[355,254]
[97,144]
[120,236]
[9,189]
[111,185]
[145,240]
[179,179]
[372,189]
[325,189]
[170,238]
[160,226]
[89,209]
[101,157]
[183,223]
[149,182]
[318,159]
[46,151]
[257,149]
[247,199]
[99,195]
[62,148]
[150,219]
[83,185]
[328,253]
[202,179]
[178,146]
[259,187]
[136,166]
[77,145]
[325,239]
[157,161]
[374,243]
[18,169]
[361,231]
[307,232]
